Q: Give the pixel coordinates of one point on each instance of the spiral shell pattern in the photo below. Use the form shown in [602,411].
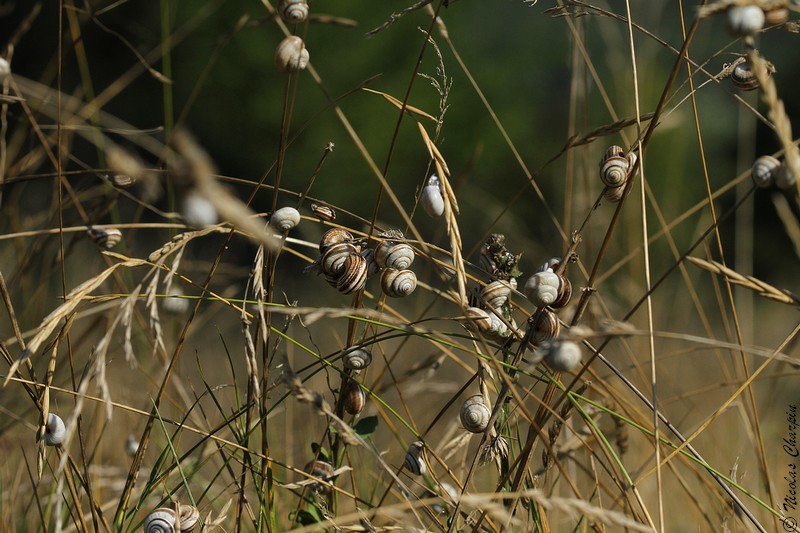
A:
[354,397]
[744,78]
[614,167]
[54,430]
[354,274]
[431,198]
[475,414]
[324,212]
[357,359]
[764,170]
[332,261]
[105,237]
[322,470]
[395,255]
[545,328]
[334,236]
[291,55]
[293,11]
[542,288]
[563,356]
[564,293]
[162,520]
[495,294]
[414,462]
[285,218]
[477,319]
[398,283]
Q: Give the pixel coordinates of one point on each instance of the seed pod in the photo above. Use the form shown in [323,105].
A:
[431,198]
[475,414]
[354,274]
[414,462]
[285,218]
[324,471]
[291,55]
[563,356]
[357,358]
[354,397]
[389,254]
[105,237]
[398,283]
[764,170]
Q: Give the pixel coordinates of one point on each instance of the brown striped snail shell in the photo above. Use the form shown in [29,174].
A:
[542,288]
[431,198]
[744,78]
[745,20]
[291,55]
[614,167]
[163,519]
[325,212]
[495,294]
[784,178]
[398,283]
[397,255]
[564,293]
[775,16]
[293,11]
[334,236]
[357,358]
[414,462]
[614,194]
[546,327]
[285,218]
[475,414]
[764,170]
[477,319]
[353,276]
[332,261]
[54,430]
[354,397]
[563,356]
[105,237]
[322,470]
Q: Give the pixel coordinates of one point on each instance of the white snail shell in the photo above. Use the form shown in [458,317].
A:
[334,236]
[414,462]
[498,329]
[162,520]
[784,178]
[131,445]
[357,358]
[354,274]
[354,397]
[475,414]
[293,11]
[542,288]
[495,294]
[173,303]
[563,356]
[550,265]
[744,78]
[764,170]
[614,167]
[398,283]
[398,255]
[105,237]
[322,470]
[325,212]
[54,430]
[614,194]
[5,68]
[431,198]
[122,181]
[745,20]
[291,55]
[285,218]
[198,211]
[332,261]
[477,319]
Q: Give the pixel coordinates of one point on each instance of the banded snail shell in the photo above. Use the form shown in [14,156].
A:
[550,265]
[784,178]
[122,181]
[397,255]
[414,462]
[398,283]
[495,294]
[372,266]
[745,20]
[163,520]
[614,167]
[332,261]
[325,212]
[354,397]
[291,55]
[477,319]
[564,293]
[105,237]
[563,356]
[322,470]
[475,414]
[542,288]
[546,327]
[614,194]
[764,170]
[285,218]
[775,16]
[54,430]
[353,276]
[357,358]
[431,198]
[293,11]
[334,236]
[744,78]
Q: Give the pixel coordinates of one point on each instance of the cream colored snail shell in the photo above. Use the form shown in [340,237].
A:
[54,430]
[332,261]
[291,55]
[105,237]
[162,520]
[325,212]
[495,294]
[322,470]
[354,397]
[614,167]
[5,68]
[398,283]
[764,169]
[614,194]
[397,255]
[334,236]
[293,11]
[744,78]
[745,20]
[784,178]
[285,218]
[122,181]
[542,288]
[475,414]
[563,356]
[431,198]
[779,15]
[353,276]
[414,462]
[357,358]
[477,319]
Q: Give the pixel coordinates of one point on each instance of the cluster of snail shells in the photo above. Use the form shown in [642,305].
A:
[394,261]
[284,219]
[475,414]
[291,55]
[165,520]
[547,290]
[749,20]
[342,262]
[486,319]
[615,169]
[768,170]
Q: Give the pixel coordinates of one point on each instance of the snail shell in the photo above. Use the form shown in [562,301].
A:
[122,181]
[614,167]
[334,236]
[357,359]
[398,283]
[478,319]
[293,11]
[291,55]
[5,68]
[354,274]
[105,237]
[779,15]
[414,461]
[173,303]
[475,414]
[431,198]
[325,212]
[285,218]
[332,261]
[564,293]
[372,266]
[543,288]
[162,520]
[546,327]
[563,356]
[322,470]
[495,294]
[131,445]
[784,178]
[54,430]
[396,255]
[744,78]
[764,170]
[614,194]
[354,397]
[198,211]
[745,20]
[550,265]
